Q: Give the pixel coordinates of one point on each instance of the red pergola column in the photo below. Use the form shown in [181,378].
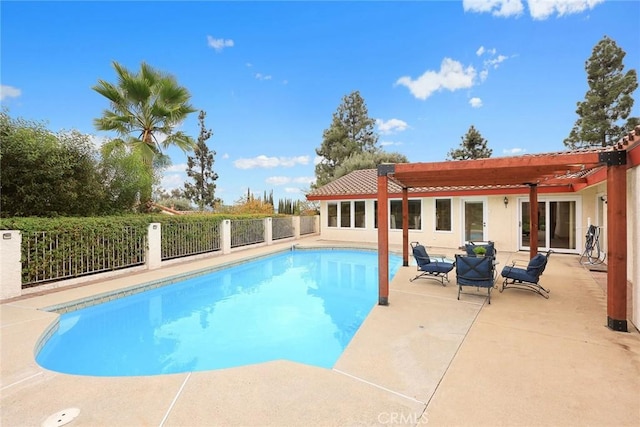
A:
[383,234]
[405,227]
[533,220]
[617,240]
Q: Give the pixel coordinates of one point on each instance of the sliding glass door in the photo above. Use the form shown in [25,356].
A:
[473,218]
[557,225]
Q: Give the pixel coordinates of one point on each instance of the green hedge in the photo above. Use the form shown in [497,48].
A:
[65,247]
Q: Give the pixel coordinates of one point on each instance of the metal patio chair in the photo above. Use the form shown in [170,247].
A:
[431,267]
[527,278]
[476,271]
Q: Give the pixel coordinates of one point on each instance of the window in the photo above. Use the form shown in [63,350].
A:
[443,214]
[345,214]
[359,211]
[395,216]
[332,215]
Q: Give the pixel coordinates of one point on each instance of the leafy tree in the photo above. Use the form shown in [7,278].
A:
[473,146]
[126,178]
[200,169]
[145,109]
[607,101]
[351,131]
[250,205]
[268,198]
[46,174]
[632,122]
[288,207]
[367,160]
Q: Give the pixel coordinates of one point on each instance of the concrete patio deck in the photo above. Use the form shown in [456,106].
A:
[426,359]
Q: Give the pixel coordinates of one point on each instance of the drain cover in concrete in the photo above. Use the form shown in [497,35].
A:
[61,418]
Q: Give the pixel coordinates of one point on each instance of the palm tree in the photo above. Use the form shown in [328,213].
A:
[144,110]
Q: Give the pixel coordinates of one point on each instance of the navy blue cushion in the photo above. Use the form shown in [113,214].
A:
[474,271]
[536,264]
[421,255]
[437,267]
[519,274]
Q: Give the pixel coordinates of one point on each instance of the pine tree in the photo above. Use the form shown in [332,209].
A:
[608,100]
[473,146]
[351,132]
[200,169]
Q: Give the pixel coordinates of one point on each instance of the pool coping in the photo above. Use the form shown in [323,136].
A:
[382,373]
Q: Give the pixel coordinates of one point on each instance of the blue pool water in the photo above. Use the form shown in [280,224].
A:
[303,306]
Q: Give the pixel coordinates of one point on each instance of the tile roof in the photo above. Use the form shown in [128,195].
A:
[364,182]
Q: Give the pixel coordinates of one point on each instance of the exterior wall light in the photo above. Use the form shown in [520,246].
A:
[506,201]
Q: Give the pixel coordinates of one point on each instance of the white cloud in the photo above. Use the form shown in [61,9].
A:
[263,161]
[494,62]
[513,151]
[391,126]
[542,9]
[475,102]
[260,76]
[249,64]
[9,92]
[225,156]
[496,7]
[180,167]
[281,180]
[538,9]
[278,180]
[387,143]
[292,190]
[304,179]
[452,76]
[171,181]
[219,44]
[317,160]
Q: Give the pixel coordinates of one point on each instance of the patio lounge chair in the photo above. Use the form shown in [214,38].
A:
[477,271]
[526,278]
[431,267]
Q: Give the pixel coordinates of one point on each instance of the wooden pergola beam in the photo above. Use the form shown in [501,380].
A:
[617,240]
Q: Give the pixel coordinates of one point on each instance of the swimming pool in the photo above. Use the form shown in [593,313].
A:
[300,305]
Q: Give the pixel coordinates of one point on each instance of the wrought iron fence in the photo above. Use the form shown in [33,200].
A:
[48,256]
[281,228]
[184,239]
[246,232]
[307,225]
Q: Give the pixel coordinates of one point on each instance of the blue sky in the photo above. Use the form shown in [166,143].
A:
[271,74]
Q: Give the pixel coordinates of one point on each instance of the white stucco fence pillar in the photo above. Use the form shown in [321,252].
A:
[296,227]
[268,231]
[225,232]
[10,265]
[154,250]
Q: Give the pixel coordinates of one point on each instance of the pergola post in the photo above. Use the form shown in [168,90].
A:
[533,220]
[616,162]
[405,227]
[383,233]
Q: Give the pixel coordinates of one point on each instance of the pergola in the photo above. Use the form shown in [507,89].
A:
[534,172]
